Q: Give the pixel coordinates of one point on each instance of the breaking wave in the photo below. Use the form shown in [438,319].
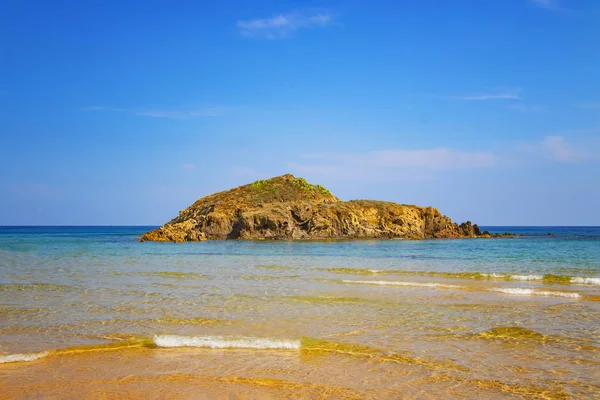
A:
[510,291]
[221,342]
[412,284]
[22,357]
[307,345]
[586,281]
[547,278]
[527,277]
[532,292]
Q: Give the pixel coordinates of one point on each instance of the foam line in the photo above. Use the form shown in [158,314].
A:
[588,281]
[527,277]
[221,342]
[531,292]
[396,283]
[22,357]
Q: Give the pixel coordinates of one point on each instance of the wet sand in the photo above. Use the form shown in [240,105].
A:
[147,373]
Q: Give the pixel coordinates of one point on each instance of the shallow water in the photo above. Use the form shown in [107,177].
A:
[473,318]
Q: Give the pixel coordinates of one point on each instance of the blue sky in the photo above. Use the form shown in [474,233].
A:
[117,112]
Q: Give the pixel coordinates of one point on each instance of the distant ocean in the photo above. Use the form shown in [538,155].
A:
[474,318]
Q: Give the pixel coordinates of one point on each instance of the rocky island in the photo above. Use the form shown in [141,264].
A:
[290,208]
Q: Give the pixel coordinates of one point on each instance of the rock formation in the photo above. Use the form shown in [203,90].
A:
[290,208]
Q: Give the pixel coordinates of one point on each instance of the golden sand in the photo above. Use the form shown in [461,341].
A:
[134,368]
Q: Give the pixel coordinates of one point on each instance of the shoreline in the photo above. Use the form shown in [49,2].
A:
[242,373]
[336,240]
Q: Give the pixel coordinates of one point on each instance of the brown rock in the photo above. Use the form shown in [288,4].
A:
[289,208]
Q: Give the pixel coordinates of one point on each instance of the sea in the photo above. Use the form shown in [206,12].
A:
[90,312]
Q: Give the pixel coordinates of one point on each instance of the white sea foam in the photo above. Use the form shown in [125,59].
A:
[396,283]
[221,342]
[531,292]
[575,279]
[514,277]
[588,281]
[495,275]
[22,357]
[527,277]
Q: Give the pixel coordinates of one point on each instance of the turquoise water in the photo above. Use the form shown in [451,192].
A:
[570,250]
[36,251]
[62,287]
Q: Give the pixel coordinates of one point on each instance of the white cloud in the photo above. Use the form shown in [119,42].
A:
[395,164]
[428,164]
[282,25]
[188,166]
[508,94]
[527,108]
[359,173]
[558,149]
[177,114]
[561,151]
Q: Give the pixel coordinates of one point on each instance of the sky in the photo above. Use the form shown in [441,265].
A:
[124,113]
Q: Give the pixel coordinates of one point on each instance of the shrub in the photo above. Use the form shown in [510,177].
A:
[302,184]
[322,190]
[259,184]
